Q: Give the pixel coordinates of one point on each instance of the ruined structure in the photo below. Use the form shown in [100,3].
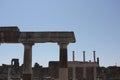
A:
[57,70]
[28,39]
[77,70]
[12,71]
[108,73]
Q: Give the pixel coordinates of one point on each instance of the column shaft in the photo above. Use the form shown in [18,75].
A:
[63,70]
[84,73]
[63,58]
[95,73]
[27,65]
[74,73]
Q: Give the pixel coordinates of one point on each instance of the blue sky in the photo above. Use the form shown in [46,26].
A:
[96,24]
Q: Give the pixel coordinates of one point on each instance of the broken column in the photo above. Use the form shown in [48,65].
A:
[27,65]
[84,68]
[73,55]
[94,56]
[98,60]
[74,74]
[63,69]
[83,56]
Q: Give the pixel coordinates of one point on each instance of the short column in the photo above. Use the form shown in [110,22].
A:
[27,62]
[63,63]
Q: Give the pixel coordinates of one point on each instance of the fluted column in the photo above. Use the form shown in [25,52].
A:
[63,69]
[27,62]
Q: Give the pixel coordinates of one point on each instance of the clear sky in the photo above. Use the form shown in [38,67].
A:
[96,24]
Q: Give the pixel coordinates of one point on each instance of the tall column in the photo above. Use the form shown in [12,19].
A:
[94,56]
[83,56]
[73,55]
[27,65]
[63,69]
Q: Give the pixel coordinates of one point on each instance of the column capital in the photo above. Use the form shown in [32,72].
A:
[63,44]
[28,43]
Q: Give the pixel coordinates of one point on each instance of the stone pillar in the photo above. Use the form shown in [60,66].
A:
[94,56]
[83,56]
[63,63]
[95,73]
[84,73]
[74,72]
[73,55]
[27,62]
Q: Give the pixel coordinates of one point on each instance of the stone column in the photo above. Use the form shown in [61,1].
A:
[63,63]
[94,56]
[27,62]
[95,73]
[74,72]
[84,73]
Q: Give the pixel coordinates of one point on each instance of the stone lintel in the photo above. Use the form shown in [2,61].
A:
[42,37]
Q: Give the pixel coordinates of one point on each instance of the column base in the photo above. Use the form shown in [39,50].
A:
[27,76]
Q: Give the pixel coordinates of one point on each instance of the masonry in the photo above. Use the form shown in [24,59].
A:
[28,39]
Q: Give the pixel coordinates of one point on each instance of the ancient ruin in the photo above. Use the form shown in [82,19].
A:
[77,70]
[28,39]
[56,70]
